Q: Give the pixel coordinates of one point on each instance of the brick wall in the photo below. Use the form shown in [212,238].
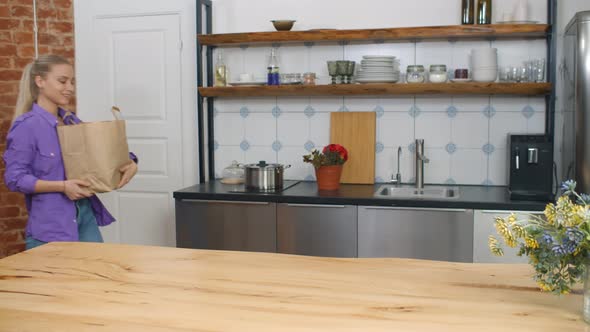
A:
[56,36]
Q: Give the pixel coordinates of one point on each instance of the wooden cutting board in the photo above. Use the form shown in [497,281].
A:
[356,132]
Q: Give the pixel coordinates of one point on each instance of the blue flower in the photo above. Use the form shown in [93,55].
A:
[558,250]
[548,239]
[569,246]
[574,235]
[585,199]
[568,186]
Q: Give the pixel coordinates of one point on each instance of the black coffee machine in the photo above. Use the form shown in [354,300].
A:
[531,167]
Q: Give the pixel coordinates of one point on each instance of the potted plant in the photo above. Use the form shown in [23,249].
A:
[328,165]
[557,244]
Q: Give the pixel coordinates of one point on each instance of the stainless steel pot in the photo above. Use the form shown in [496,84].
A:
[264,177]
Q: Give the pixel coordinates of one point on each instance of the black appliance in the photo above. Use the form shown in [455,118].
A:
[531,167]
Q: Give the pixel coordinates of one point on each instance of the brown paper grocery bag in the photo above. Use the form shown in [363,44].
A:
[94,151]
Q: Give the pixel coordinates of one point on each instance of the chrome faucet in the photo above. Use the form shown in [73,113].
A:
[420,160]
[398,176]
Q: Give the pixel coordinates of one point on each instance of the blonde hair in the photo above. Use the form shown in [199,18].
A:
[28,89]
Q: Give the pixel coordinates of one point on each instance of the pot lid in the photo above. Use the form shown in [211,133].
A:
[262,164]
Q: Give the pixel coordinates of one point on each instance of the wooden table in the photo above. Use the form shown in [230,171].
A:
[107,287]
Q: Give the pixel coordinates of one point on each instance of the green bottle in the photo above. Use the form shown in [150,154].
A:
[484,12]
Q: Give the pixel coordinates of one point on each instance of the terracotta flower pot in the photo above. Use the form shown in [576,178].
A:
[328,177]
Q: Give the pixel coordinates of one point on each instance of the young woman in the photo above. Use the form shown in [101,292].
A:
[59,209]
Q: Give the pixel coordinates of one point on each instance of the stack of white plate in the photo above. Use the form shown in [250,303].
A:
[378,69]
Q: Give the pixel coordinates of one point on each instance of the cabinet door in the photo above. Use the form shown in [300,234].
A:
[226,225]
[437,234]
[484,227]
[317,230]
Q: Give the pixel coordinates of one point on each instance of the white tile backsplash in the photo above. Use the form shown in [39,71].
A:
[498,174]
[294,156]
[469,166]
[257,153]
[432,53]
[438,169]
[229,128]
[395,129]
[434,128]
[260,129]
[469,130]
[293,129]
[504,123]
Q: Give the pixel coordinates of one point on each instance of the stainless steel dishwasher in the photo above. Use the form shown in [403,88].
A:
[226,225]
[422,233]
[317,230]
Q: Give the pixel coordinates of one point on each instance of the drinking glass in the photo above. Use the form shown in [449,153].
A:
[350,71]
[333,70]
[539,70]
[342,67]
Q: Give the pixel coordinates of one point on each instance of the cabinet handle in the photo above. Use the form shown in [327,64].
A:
[414,209]
[510,211]
[223,202]
[316,205]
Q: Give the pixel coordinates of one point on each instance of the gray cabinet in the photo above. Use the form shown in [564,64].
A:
[436,234]
[484,227]
[317,230]
[226,225]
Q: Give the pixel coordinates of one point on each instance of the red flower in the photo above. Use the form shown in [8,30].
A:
[337,148]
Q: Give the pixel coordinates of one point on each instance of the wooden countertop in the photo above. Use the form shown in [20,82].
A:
[107,287]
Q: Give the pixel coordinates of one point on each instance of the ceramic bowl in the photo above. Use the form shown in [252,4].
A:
[283,25]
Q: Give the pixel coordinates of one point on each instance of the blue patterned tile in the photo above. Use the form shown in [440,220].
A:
[379,180]
[379,41]
[412,147]
[451,148]
[309,44]
[309,111]
[215,112]
[276,111]
[276,45]
[215,145]
[487,182]
[343,109]
[379,147]
[379,110]
[450,181]
[414,111]
[244,112]
[244,145]
[244,46]
[452,111]
[528,111]
[412,180]
[488,148]
[277,146]
[309,146]
[489,111]
[310,178]
[343,42]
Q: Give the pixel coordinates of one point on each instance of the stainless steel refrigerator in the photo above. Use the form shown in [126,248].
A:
[576,102]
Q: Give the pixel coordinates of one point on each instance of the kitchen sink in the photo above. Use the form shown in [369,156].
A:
[391,191]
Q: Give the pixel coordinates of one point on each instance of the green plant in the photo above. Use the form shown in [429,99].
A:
[332,154]
[557,243]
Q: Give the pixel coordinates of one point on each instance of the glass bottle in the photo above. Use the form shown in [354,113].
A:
[484,12]
[220,71]
[467,12]
[273,77]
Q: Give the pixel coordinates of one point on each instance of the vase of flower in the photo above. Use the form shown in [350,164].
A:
[328,165]
[328,177]
[557,244]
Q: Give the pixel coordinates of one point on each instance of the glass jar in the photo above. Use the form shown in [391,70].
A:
[415,74]
[309,78]
[233,174]
[437,74]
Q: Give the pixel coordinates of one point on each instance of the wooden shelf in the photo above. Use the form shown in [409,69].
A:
[388,34]
[380,89]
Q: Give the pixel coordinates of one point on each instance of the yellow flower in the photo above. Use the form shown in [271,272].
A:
[550,213]
[511,218]
[531,242]
[494,246]
[503,229]
[519,231]
[565,212]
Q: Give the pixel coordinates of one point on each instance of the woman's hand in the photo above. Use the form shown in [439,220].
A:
[77,189]
[128,171]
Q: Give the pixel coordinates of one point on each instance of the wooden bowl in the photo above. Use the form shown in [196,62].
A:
[283,25]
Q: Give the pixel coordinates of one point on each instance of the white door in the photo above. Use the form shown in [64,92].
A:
[135,57]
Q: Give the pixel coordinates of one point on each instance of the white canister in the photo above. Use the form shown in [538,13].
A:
[437,74]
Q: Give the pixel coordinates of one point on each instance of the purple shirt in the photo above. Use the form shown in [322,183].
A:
[33,153]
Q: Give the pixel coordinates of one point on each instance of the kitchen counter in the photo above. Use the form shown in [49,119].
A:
[305,192]
[110,287]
